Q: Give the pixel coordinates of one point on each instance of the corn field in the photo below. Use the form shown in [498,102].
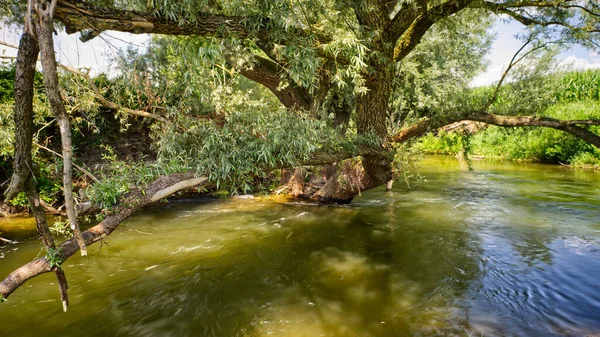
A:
[579,86]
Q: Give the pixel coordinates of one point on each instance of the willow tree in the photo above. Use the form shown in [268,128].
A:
[303,51]
[346,57]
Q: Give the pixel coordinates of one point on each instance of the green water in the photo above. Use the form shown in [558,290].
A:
[504,250]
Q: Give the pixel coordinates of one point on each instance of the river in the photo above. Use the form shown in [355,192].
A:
[503,250]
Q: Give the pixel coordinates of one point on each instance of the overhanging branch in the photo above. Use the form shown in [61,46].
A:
[160,188]
[79,16]
[569,126]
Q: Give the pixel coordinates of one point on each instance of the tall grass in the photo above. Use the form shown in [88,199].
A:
[579,86]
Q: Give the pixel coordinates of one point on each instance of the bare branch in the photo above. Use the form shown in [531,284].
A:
[507,70]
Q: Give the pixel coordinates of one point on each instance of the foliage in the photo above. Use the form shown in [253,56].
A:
[61,227]
[7,79]
[579,86]
[407,161]
[53,258]
[41,110]
[121,177]
[446,143]
[248,146]
[49,187]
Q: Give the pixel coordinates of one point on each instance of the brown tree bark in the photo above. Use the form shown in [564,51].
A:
[39,213]
[79,16]
[266,72]
[569,126]
[24,73]
[44,28]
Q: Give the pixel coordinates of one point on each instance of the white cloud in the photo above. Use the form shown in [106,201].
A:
[506,45]
[575,63]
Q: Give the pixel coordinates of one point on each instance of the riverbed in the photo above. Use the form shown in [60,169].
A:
[502,250]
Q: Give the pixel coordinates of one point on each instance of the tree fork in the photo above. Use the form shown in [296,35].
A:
[44,29]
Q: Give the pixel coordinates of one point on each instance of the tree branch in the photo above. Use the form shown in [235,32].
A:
[269,74]
[44,28]
[160,188]
[569,126]
[108,104]
[413,34]
[514,9]
[79,16]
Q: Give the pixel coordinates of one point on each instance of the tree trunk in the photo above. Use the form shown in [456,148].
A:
[44,28]
[375,169]
[24,73]
[39,213]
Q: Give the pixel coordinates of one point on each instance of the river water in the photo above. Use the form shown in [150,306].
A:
[504,250]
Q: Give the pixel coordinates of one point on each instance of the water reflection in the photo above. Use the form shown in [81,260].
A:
[499,251]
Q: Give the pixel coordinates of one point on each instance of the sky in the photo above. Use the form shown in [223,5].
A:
[506,45]
[96,54]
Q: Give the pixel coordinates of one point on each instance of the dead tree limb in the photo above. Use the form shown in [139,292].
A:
[44,28]
[23,177]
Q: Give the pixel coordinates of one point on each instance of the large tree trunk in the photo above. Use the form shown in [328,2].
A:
[371,118]
[44,29]
[24,73]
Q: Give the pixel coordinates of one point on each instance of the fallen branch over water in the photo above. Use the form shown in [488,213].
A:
[569,126]
[132,202]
